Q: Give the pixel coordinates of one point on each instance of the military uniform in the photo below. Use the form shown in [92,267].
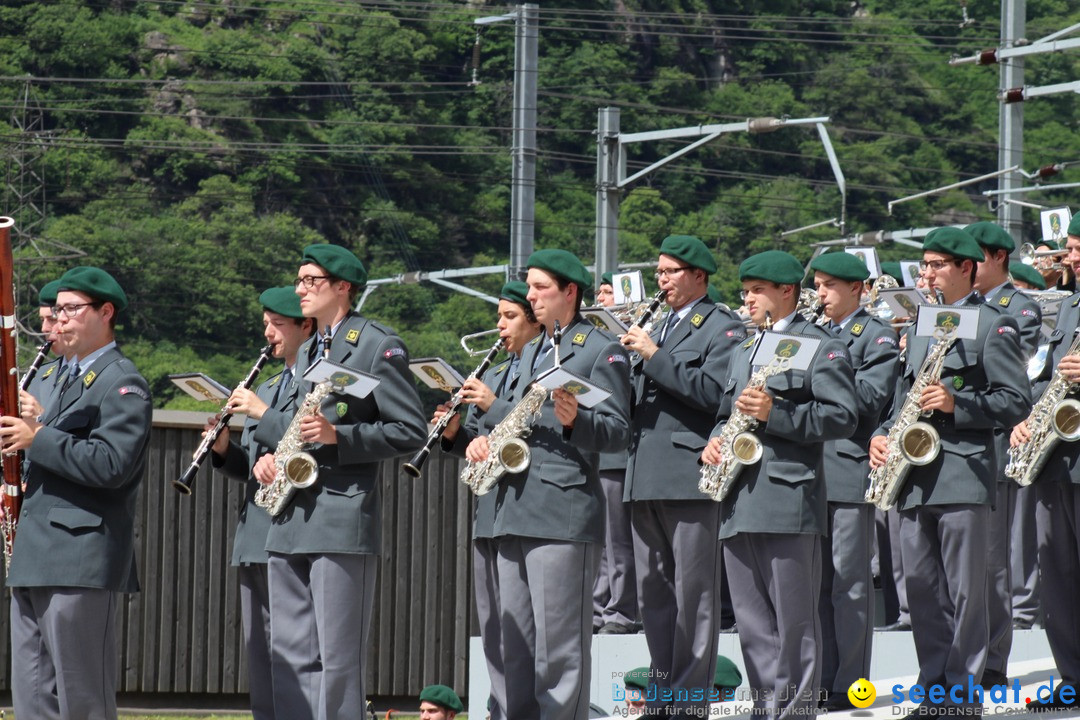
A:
[773,518]
[945,504]
[675,527]
[249,555]
[549,526]
[45,386]
[75,548]
[847,590]
[323,545]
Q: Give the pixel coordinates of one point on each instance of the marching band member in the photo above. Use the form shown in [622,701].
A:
[678,385]
[772,520]
[323,545]
[1011,501]
[847,598]
[286,328]
[549,517]
[517,327]
[945,504]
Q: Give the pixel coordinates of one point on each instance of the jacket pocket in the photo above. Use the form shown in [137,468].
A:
[74,518]
[561,474]
[791,473]
[689,441]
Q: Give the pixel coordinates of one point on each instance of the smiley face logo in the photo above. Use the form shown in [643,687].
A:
[862,693]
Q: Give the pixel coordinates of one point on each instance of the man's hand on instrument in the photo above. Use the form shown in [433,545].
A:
[755,402]
[452,427]
[879,450]
[937,397]
[317,429]
[265,470]
[566,408]
[1020,434]
[713,452]
[246,402]
[221,445]
[478,450]
[475,392]
[29,407]
[17,434]
[638,340]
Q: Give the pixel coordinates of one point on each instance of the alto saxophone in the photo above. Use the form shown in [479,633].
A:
[740,447]
[1054,418]
[296,468]
[910,440]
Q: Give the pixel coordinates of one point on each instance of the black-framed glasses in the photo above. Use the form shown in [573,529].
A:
[308,281]
[669,272]
[936,265]
[71,309]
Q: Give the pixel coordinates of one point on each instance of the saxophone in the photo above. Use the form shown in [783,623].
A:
[296,468]
[1053,418]
[740,446]
[911,441]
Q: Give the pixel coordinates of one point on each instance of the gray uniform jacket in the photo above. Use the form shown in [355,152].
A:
[44,387]
[249,545]
[991,390]
[1064,460]
[785,491]
[340,512]
[1028,318]
[875,356]
[558,497]
[77,526]
[678,391]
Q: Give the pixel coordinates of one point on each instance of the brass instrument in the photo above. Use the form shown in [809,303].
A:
[910,441]
[1036,258]
[466,339]
[412,468]
[1054,418]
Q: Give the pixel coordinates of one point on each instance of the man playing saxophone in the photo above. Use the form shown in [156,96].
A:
[549,517]
[1057,507]
[945,504]
[774,515]
[517,327]
[323,545]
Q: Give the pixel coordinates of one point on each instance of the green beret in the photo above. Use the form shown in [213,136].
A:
[515,291]
[690,250]
[442,696]
[283,301]
[842,265]
[564,264]
[727,675]
[47,294]
[1074,226]
[892,267]
[338,262]
[773,265]
[638,677]
[714,295]
[955,242]
[991,236]
[96,283]
[1027,274]
[605,279]
[1052,244]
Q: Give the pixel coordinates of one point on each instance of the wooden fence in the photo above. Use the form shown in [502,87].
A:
[182,633]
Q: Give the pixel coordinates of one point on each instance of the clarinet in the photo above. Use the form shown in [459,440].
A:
[39,360]
[646,316]
[184,483]
[412,468]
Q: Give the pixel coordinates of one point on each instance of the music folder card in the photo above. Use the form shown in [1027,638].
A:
[201,387]
[344,379]
[869,257]
[602,318]
[964,321]
[798,349]
[588,394]
[911,271]
[904,302]
[628,287]
[436,373]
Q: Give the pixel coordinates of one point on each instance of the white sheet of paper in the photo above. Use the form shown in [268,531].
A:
[436,373]
[965,320]
[345,379]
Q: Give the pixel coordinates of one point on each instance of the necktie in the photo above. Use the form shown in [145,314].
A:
[286,378]
[72,374]
[672,321]
[835,328]
[61,377]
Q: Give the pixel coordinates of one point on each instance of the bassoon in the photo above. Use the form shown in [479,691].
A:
[11,497]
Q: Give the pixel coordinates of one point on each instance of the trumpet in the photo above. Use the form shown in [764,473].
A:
[476,352]
[1030,256]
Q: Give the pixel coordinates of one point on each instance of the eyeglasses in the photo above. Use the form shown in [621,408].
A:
[668,272]
[936,265]
[71,309]
[308,281]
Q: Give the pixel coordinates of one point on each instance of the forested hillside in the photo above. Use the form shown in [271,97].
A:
[192,148]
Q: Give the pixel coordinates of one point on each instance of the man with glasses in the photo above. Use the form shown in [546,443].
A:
[75,549]
[945,504]
[40,391]
[323,545]
[679,382]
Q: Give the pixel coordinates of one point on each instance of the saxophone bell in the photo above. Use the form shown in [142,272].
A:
[920,443]
[301,470]
[515,455]
[1065,420]
[747,448]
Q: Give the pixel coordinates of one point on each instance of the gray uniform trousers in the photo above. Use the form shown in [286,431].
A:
[679,566]
[338,591]
[255,609]
[999,579]
[486,592]
[546,626]
[615,591]
[945,557]
[1058,522]
[53,631]
[781,649]
[847,596]
[1024,555]
[892,517]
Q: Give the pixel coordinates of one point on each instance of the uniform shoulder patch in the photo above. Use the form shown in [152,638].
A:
[887,340]
[579,338]
[353,336]
[395,352]
[697,319]
[616,358]
[738,334]
[1029,313]
[89,378]
[134,390]
[834,354]
[857,329]
[48,372]
[1005,329]
[1005,300]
